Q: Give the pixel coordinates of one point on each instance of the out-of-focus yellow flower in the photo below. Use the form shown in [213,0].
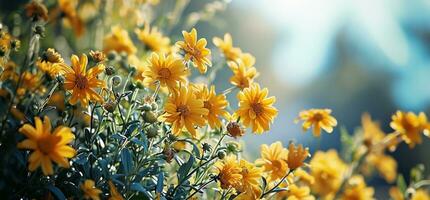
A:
[30,83]
[296,156]
[296,193]
[47,146]
[68,8]
[243,76]
[372,132]
[153,39]
[184,110]
[386,166]
[356,189]
[247,59]
[420,194]
[304,176]
[195,50]
[396,194]
[9,71]
[229,172]
[90,190]
[256,109]
[114,194]
[328,170]
[274,160]
[169,71]
[249,187]
[226,47]
[81,82]
[410,126]
[318,118]
[36,10]
[118,40]
[57,100]
[216,104]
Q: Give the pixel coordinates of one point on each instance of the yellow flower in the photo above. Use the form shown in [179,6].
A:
[90,190]
[49,68]
[183,109]
[410,126]
[385,164]
[229,172]
[226,47]
[420,194]
[255,108]
[153,39]
[216,104]
[119,41]
[274,160]
[243,76]
[296,156]
[396,194]
[247,59]
[36,10]
[304,176]
[372,132]
[249,186]
[318,118]
[9,71]
[30,83]
[328,170]
[296,193]
[356,189]
[114,194]
[195,50]
[82,82]
[169,71]
[47,146]
[68,9]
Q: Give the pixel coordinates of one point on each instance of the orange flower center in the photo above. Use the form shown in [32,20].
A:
[318,117]
[183,109]
[164,73]
[207,105]
[257,108]
[47,144]
[81,82]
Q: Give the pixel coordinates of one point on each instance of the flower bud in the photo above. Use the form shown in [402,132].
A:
[116,81]
[168,153]
[15,44]
[233,147]
[40,30]
[149,117]
[109,106]
[110,70]
[146,107]
[152,132]
[206,147]
[235,130]
[221,154]
[112,55]
[97,56]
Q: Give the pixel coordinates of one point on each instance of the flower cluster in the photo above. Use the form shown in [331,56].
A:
[124,107]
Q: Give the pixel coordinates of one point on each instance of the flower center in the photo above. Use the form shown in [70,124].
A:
[257,108]
[207,105]
[318,117]
[164,73]
[81,82]
[46,144]
[183,109]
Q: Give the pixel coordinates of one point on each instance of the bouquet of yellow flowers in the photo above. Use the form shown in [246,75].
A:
[105,99]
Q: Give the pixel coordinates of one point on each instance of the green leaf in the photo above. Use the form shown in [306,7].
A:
[185,168]
[139,188]
[160,182]
[401,183]
[417,173]
[126,160]
[196,150]
[347,144]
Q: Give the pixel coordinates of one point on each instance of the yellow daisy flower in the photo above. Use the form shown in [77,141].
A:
[90,190]
[9,71]
[247,59]
[255,108]
[274,160]
[410,126]
[372,132]
[81,82]
[47,146]
[243,76]
[153,39]
[118,40]
[183,109]
[30,83]
[114,194]
[229,172]
[195,50]
[328,170]
[296,156]
[249,187]
[169,71]
[216,104]
[356,189]
[226,47]
[318,118]
[386,165]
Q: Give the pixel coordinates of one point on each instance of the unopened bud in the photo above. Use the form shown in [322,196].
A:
[149,117]
[110,70]
[221,154]
[109,106]
[235,130]
[116,81]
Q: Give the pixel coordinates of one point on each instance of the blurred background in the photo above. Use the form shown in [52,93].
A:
[352,56]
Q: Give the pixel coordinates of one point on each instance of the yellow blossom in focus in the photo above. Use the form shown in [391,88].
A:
[410,126]
[195,50]
[47,146]
[328,170]
[184,110]
[169,71]
[256,109]
[249,186]
[296,156]
[243,76]
[216,104]
[90,190]
[318,118]
[226,47]
[118,40]
[229,172]
[274,160]
[81,82]
[356,189]
[114,194]
[153,39]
